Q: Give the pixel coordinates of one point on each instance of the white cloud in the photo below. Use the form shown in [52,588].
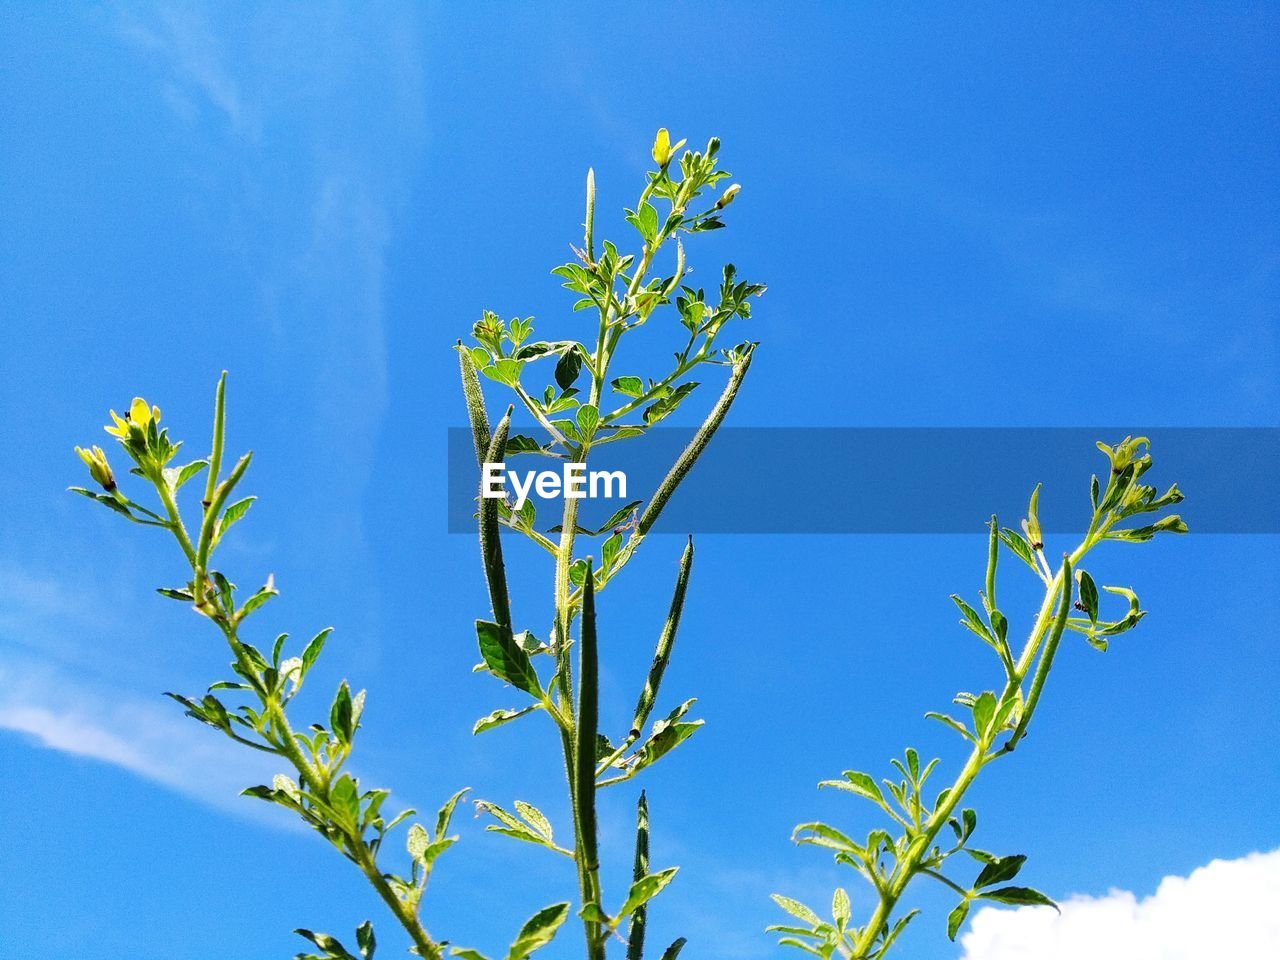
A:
[149,738]
[1224,909]
[183,36]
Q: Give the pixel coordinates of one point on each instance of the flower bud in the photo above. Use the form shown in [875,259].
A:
[727,197]
[99,468]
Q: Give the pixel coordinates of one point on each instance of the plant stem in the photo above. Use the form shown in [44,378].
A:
[426,947]
[1058,586]
[282,737]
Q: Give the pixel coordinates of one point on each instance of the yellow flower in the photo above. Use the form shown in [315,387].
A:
[728,196]
[140,415]
[99,469]
[663,149]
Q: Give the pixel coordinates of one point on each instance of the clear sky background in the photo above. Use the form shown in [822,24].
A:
[994,216]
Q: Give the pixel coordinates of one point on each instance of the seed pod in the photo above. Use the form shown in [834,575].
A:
[666,642]
[474,398]
[635,936]
[490,537]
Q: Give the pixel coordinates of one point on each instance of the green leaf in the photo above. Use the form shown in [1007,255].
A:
[955,919]
[521,444]
[511,826]
[186,473]
[341,716]
[312,650]
[984,711]
[367,942]
[821,834]
[568,367]
[1018,544]
[332,947]
[665,406]
[1088,596]
[499,717]
[538,931]
[645,889]
[628,386]
[999,870]
[506,659]
[505,371]
[417,841]
[619,515]
[446,812]
[1019,896]
[258,599]
[896,931]
[535,818]
[609,551]
[667,734]
[859,783]
[344,797]
[232,515]
[841,909]
[972,620]
[588,417]
[951,722]
[796,909]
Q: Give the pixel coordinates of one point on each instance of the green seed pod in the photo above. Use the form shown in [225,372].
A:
[490,533]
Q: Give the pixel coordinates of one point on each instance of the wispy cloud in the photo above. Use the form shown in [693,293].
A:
[150,738]
[308,152]
[1224,909]
[184,38]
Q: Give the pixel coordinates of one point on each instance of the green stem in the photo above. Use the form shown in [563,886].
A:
[584,758]
[908,867]
[175,520]
[426,947]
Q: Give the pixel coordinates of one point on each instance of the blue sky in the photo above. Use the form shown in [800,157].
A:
[991,217]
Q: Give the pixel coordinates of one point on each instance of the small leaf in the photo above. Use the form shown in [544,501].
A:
[628,386]
[345,799]
[312,650]
[417,841]
[645,889]
[535,818]
[1019,896]
[341,714]
[506,659]
[506,371]
[446,812]
[797,909]
[367,942]
[984,711]
[186,473]
[538,931]
[232,514]
[841,909]
[499,717]
[972,620]
[1088,596]
[1018,544]
[568,367]
[955,919]
[855,781]
[999,870]
[951,722]
[588,417]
